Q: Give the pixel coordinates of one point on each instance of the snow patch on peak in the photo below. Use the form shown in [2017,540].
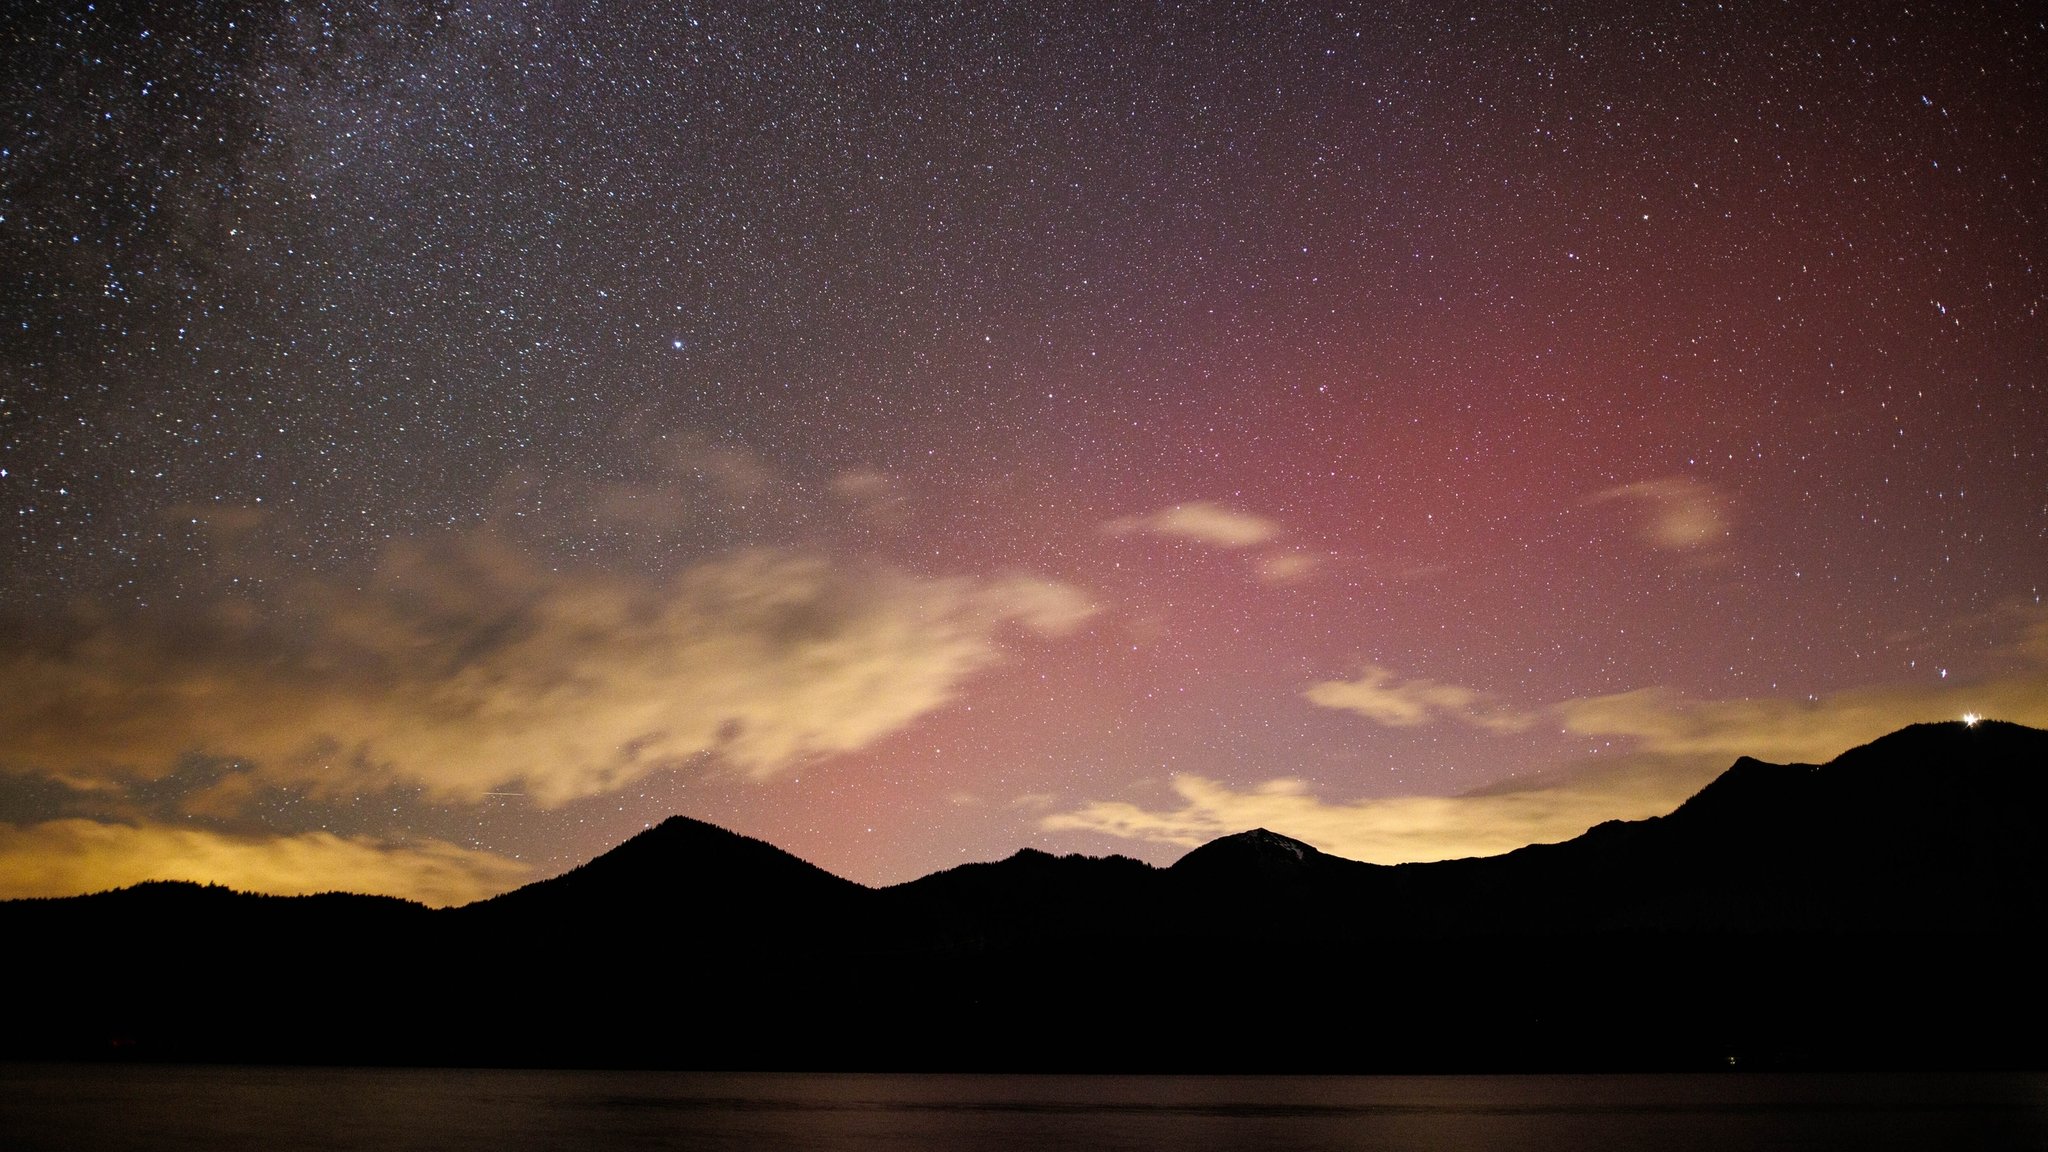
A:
[1266,838]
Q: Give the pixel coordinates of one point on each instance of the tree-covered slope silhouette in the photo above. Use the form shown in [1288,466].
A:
[1885,909]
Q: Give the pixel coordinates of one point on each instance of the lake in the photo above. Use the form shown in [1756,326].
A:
[163,1108]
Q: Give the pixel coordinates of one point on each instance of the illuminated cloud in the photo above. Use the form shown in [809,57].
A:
[1680,514]
[67,857]
[1393,830]
[1217,525]
[1287,567]
[472,668]
[1379,697]
[1810,731]
[863,485]
[1204,522]
[1670,748]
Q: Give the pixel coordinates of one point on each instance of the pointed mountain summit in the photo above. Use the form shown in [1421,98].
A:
[688,866]
[1260,855]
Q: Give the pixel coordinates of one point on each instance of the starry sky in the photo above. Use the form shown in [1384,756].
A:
[441,439]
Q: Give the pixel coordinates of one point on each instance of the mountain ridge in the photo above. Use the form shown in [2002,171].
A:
[1880,910]
[1746,774]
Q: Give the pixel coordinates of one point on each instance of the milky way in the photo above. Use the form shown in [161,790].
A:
[441,440]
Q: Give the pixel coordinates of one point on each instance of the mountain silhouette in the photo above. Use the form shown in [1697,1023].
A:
[1933,827]
[1881,910]
[1254,856]
[686,867]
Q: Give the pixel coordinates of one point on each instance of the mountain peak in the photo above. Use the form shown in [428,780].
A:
[1256,854]
[1268,841]
[688,861]
[1922,760]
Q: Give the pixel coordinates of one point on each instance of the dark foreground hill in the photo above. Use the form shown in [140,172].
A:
[1882,910]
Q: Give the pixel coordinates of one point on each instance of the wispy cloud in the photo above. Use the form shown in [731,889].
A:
[1204,522]
[1677,513]
[1378,695]
[1287,567]
[1273,560]
[471,667]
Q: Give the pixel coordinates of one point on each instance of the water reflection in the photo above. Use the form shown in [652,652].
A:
[117,1108]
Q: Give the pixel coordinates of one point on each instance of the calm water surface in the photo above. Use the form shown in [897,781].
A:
[227,1109]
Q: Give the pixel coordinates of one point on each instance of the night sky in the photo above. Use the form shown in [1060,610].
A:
[439,441]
